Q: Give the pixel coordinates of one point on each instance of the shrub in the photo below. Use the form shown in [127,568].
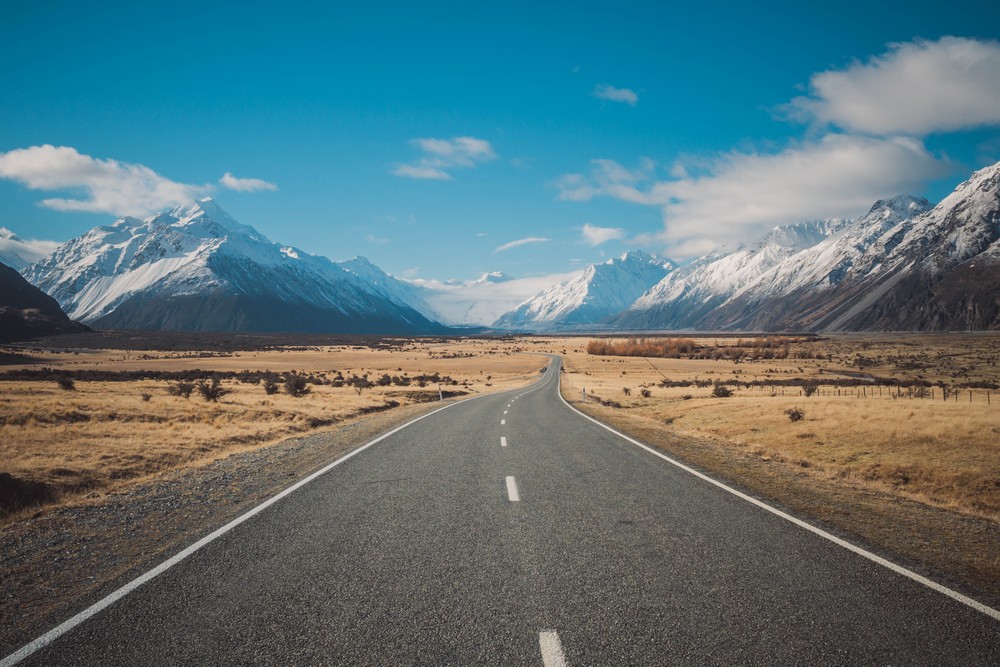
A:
[183,389]
[627,391]
[146,396]
[721,391]
[211,391]
[66,384]
[795,414]
[270,387]
[809,388]
[645,393]
[296,385]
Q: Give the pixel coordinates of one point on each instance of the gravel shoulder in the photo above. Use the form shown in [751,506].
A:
[61,561]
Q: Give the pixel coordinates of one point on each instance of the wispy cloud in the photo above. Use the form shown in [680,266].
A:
[443,155]
[245,184]
[605,92]
[595,236]
[739,194]
[379,240]
[109,186]
[915,88]
[521,242]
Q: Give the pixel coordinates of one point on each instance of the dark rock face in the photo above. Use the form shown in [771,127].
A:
[27,312]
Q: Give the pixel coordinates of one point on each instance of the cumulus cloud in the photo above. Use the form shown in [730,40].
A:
[605,92]
[740,194]
[108,186]
[440,156]
[520,242]
[915,88]
[245,184]
[595,236]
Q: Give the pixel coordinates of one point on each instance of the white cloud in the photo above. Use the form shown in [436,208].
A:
[915,88]
[442,155]
[521,242]
[742,193]
[109,186]
[608,178]
[245,184]
[595,236]
[379,240]
[421,172]
[605,92]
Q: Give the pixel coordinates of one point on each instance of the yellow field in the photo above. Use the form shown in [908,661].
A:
[943,453]
[62,444]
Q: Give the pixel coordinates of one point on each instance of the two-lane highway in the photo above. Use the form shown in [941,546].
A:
[511,530]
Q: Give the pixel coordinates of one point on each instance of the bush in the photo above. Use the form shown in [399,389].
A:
[183,389]
[211,391]
[66,384]
[721,391]
[795,414]
[145,397]
[809,388]
[627,391]
[296,385]
[270,387]
[645,393]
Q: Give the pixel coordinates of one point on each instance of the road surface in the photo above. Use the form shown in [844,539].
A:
[511,530]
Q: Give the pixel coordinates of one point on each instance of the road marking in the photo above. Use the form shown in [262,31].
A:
[864,553]
[505,412]
[503,422]
[552,651]
[64,627]
[503,443]
[512,489]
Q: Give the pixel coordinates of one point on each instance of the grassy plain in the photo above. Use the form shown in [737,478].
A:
[119,423]
[877,417]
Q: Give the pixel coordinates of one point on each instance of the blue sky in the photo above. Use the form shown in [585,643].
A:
[432,137]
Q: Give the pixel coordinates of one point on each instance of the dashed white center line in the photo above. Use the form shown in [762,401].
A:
[503,422]
[505,412]
[503,443]
[512,489]
[552,651]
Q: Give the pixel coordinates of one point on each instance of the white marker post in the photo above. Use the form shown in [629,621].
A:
[440,394]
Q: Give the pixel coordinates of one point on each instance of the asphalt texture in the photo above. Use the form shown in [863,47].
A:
[412,553]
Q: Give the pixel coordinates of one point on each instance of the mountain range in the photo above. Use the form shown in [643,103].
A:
[195,268]
[905,265]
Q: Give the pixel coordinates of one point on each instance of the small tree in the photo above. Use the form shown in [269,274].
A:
[211,391]
[795,414]
[296,385]
[721,391]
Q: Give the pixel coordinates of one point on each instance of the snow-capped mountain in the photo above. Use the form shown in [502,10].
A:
[599,292]
[687,295]
[18,253]
[196,268]
[492,277]
[477,302]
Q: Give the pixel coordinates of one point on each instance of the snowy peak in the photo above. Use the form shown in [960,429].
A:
[18,253]
[599,292]
[195,267]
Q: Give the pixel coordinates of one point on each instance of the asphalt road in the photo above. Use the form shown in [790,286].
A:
[414,552]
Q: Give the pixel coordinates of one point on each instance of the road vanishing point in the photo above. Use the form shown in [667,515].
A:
[510,529]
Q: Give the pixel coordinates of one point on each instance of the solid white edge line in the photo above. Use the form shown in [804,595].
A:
[551,647]
[67,625]
[503,441]
[512,493]
[898,569]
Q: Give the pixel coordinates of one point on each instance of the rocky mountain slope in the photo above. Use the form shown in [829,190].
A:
[27,312]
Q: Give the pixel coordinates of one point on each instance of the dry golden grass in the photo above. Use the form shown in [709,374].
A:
[60,445]
[943,453]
